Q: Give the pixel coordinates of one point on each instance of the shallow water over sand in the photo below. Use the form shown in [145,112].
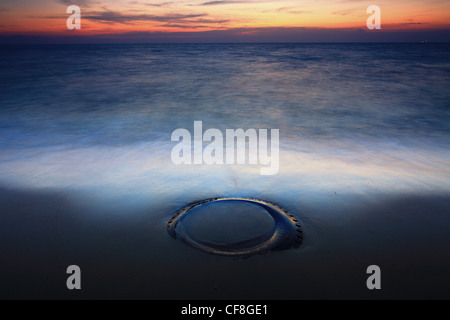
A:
[86,176]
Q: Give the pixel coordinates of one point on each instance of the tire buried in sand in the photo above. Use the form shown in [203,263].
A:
[236,227]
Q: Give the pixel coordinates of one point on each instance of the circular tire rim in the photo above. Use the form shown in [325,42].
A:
[287,232]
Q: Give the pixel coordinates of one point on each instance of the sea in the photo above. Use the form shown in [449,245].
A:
[87,179]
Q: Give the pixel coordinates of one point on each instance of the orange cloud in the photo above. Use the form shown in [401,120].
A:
[118,16]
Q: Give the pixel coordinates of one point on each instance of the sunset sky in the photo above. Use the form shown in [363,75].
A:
[203,19]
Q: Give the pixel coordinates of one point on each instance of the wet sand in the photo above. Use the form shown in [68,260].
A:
[130,255]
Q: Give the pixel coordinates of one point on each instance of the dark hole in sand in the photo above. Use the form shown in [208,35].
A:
[236,227]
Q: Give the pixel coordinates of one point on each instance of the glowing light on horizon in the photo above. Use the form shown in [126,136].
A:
[120,16]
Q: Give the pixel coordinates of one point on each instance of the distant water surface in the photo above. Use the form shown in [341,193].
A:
[86,175]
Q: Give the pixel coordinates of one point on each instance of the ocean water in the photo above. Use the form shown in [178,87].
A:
[86,175]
